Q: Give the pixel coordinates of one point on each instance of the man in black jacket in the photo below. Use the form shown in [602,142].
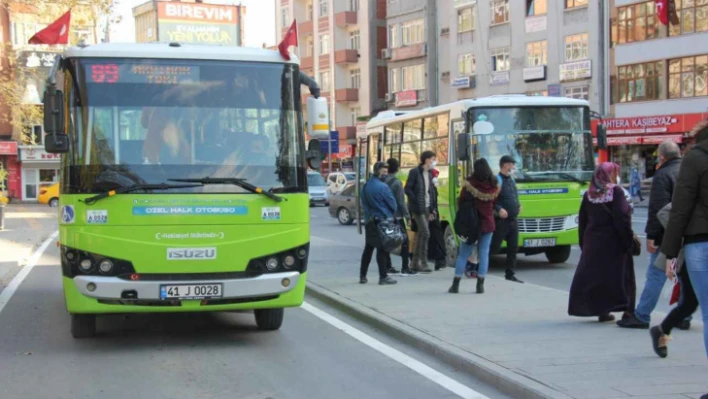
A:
[420,192]
[662,189]
[507,209]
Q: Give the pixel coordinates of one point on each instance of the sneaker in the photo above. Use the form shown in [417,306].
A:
[363,280]
[685,326]
[514,279]
[659,341]
[408,273]
[633,322]
[422,268]
[393,271]
[387,281]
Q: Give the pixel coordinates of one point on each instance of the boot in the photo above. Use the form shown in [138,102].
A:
[480,285]
[455,288]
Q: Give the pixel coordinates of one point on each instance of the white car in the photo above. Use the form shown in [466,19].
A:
[317,189]
[337,181]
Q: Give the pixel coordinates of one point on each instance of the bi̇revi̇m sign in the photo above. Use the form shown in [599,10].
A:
[199,23]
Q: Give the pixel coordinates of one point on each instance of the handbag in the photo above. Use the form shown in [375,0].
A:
[388,232]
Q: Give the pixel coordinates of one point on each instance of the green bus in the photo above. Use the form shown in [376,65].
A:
[183,180]
[549,137]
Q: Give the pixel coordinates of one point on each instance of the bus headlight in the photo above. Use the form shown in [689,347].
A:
[571,222]
[76,262]
[272,264]
[289,261]
[106,266]
[85,265]
[293,259]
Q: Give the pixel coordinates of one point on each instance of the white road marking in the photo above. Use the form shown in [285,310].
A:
[9,291]
[444,381]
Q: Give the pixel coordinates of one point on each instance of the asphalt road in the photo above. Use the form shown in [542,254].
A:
[200,356]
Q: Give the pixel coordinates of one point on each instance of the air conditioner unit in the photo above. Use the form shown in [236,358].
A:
[386,53]
[390,97]
[444,31]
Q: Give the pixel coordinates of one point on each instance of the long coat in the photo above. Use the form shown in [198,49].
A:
[604,279]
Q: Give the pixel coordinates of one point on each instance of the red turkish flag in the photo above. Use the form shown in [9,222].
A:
[290,39]
[662,10]
[56,33]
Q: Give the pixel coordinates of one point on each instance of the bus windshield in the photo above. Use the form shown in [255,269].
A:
[145,121]
[548,143]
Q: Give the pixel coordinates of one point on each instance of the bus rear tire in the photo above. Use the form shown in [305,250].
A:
[269,319]
[558,254]
[83,325]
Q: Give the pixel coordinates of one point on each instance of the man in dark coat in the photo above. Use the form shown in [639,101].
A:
[662,189]
[402,215]
[420,192]
[507,209]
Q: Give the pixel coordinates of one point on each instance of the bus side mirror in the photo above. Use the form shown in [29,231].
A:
[56,140]
[463,147]
[313,154]
[601,137]
[56,143]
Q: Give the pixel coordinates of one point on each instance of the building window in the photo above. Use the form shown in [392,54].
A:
[354,40]
[536,53]
[394,81]
[466,19]
[413,32]
[640,82]
[537,93]
[500,59]
[355,113]
[688,77]
[576,47]
[22,32]
[536,7]
[310,12]
[636,23]
[575,3]
[693,17]
[579,93]
[353,5]
[466,65]
[413,77]
[324,8]
[324,44]
[310,47]
[394,40]
[355,78]
[325,84]
[285,17]
[500,11]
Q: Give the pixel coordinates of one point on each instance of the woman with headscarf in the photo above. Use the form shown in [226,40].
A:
[604,279]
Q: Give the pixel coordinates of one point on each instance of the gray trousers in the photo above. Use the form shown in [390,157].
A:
[422,236]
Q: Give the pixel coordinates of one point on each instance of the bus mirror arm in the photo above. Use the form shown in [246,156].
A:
[311,84]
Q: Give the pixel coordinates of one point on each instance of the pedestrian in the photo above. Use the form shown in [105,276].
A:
[378,203]
[479,192]
[635,185]
[604,279]
[436,243]
[662,189]
[689,222]
[507,209]
[402,215]
[420,192]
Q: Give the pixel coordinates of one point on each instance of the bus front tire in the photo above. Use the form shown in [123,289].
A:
[558,254]
[269,319]
[83,325]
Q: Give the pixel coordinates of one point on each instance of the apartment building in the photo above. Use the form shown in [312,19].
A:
[340,45]
[659,80]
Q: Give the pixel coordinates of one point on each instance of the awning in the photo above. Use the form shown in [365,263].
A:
[676,138]
[624,140]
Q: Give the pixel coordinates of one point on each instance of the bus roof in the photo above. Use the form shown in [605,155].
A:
[458,107]
[182,51]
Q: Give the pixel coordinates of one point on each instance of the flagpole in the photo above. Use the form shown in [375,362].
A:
[297,40]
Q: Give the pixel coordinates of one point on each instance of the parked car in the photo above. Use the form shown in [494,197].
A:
[317,187]
[49,195]
[342,205]
[337,181]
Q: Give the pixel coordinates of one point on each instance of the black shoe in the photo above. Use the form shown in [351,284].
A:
[392,270]
[480,285]
[659,341]
[514,279]
[455,288]
[408,273]
[387,281]
[363,280]
[685,326]
[633,322]
[604,318]
[440,264]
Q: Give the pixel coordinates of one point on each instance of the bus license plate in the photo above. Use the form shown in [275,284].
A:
[191,291]
[540,242]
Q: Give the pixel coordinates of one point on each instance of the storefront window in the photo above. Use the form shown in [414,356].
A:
[693,17]
[688,77]
[640,82]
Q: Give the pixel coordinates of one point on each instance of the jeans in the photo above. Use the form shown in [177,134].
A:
[382,259]
[652,291]
[507,230]
[697,266]
[481,249]
[420,246]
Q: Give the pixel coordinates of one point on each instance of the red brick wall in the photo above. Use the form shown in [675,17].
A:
[380,40]
[381,9]
[381,81]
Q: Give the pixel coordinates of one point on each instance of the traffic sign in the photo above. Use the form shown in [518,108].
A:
[334,140]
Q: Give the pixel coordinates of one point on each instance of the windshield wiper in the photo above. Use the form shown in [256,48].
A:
[136,187]
[236,182]
[564,175]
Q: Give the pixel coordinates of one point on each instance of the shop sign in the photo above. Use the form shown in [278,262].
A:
[554,90]
[361,130]
[198,23]
[37,154]
[407,98]
[499,78]
[36,59]
[575,70]
[465,82]
[679,123]
[676,138]
[626,140]
[463,3]
[536,24]
[535,73]
[8,148]
[407,52]
[345,151]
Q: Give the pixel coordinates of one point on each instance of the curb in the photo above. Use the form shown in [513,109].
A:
[505,380]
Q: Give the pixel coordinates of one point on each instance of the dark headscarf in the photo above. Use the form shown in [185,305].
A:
[602,186]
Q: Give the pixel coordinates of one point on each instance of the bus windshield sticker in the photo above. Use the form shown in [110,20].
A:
[68,214]
[97,217]
[270,213]
[482,127]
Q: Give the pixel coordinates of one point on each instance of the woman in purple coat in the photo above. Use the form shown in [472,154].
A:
[604,279]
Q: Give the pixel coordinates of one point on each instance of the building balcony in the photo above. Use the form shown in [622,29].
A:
[346,132]
[346,56]
[305,28]
[345,18]
[324,62]
[346,95]
[307,62]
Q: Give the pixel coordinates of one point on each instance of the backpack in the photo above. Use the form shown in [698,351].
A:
[467,225]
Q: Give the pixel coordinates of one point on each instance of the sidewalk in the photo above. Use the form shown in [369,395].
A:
[520,338]
[26,226]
